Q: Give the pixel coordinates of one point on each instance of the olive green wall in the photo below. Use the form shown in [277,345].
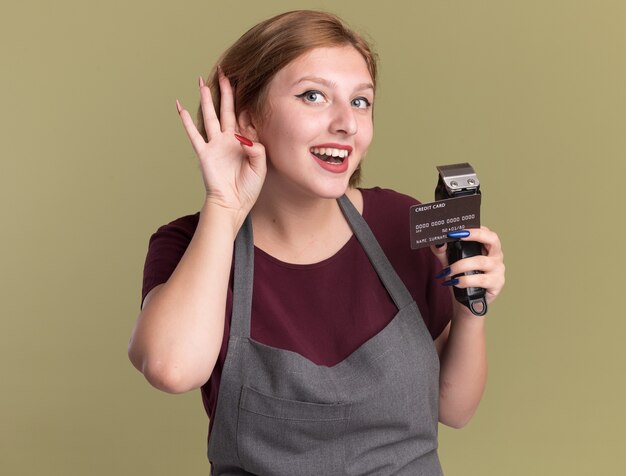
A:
[93,160]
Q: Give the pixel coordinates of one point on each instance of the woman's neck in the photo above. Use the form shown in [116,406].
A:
[300,229]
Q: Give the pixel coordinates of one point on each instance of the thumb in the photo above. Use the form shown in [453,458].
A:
[440,252]
[256,155]
[255,152]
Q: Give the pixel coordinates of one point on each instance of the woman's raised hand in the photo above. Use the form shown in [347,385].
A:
[233,172]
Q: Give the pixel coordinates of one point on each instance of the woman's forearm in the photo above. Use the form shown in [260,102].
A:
[178,335]
[463,372]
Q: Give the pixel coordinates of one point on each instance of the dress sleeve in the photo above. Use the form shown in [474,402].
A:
[165,249]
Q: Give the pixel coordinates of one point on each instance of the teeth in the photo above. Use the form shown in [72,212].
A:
[331,152]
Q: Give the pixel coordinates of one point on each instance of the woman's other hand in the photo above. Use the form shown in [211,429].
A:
[491,265]
[461,346]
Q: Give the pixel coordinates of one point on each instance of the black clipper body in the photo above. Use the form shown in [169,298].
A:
[458,180]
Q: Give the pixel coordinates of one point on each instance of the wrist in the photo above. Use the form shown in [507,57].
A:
[221,217]
[461,315]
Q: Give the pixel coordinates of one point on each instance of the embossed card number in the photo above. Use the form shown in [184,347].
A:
[431,222]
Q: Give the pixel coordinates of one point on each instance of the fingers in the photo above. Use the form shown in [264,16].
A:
[491,275]
[492,283]
[488,270]
[484,264]
[197,141]
[227,103]
[211,123]
[488,238]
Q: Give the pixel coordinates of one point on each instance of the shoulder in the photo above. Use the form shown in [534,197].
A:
[166,247]
[386,196]
[182,228]
[387,212]
[170,241]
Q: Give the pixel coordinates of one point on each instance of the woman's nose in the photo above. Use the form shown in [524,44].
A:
[343,120]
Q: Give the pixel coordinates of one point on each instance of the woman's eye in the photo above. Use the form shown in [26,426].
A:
[311,96]
[361,103]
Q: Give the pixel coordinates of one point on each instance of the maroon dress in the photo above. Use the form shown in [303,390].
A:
[326,310]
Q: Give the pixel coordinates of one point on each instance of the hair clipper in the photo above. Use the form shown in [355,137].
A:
[458,180]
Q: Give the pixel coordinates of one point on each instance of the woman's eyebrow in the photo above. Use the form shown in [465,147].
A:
[331,84]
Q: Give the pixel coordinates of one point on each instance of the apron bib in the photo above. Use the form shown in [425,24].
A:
[376,412]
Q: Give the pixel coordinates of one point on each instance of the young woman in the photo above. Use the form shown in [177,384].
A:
[321,342]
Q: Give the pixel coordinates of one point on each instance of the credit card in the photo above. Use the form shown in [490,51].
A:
[431,222]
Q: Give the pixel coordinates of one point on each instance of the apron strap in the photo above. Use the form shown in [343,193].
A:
[392,282]
[243,275]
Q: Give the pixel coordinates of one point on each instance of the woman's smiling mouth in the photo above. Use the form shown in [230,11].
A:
[329,154]
[332,157]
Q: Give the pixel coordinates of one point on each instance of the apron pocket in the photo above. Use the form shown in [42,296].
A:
[280,436]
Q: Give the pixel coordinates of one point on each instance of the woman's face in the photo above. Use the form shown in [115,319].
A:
[317,123]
